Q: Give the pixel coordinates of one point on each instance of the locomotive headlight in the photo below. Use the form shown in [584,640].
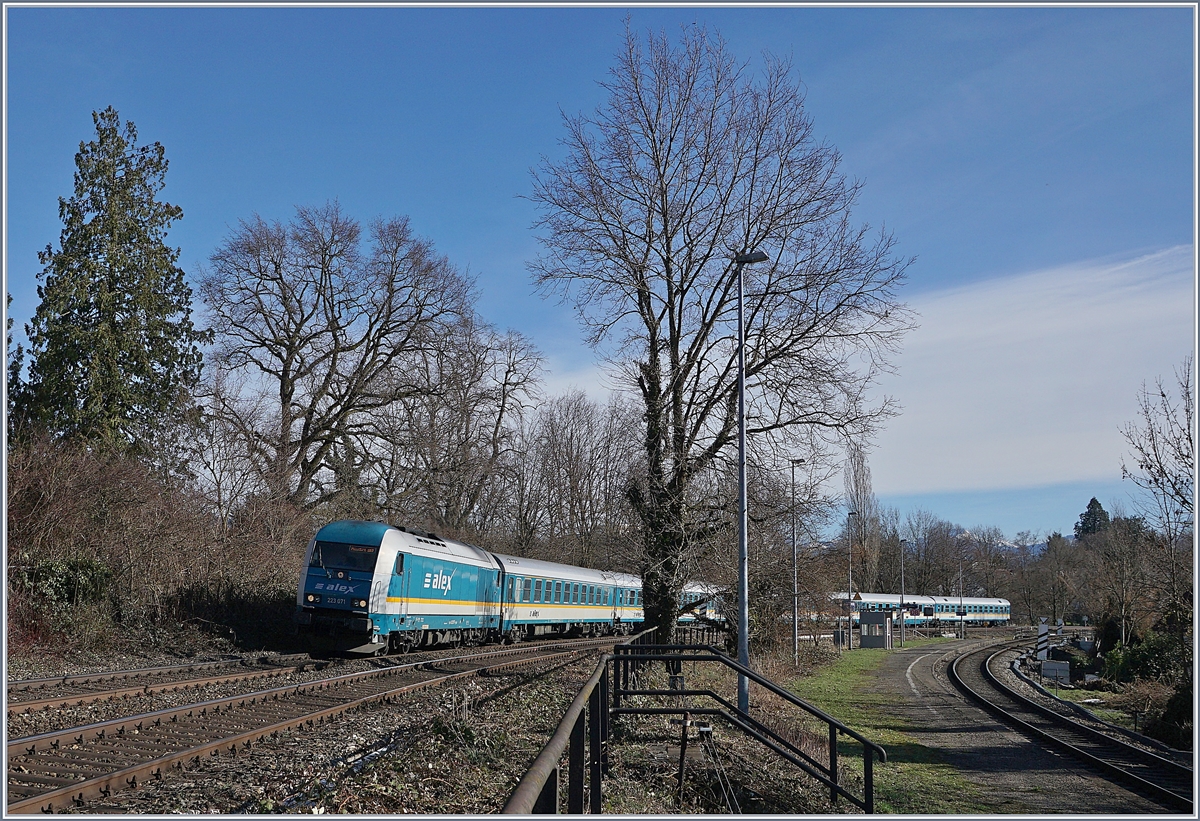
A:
[361,602]
[312,598]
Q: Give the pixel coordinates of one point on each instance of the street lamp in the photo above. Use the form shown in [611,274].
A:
[903,548]
[962,626]
[850,584]
[795,575]
[743,543]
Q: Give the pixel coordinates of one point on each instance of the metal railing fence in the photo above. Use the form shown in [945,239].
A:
[603,696]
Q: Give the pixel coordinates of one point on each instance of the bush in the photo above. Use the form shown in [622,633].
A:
[1157,656]
[61,582]
[1174,726]
[104,544]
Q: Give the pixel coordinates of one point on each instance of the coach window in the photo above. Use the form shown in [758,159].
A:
[574,593]
[512,583]
[528,590]
[557,592]
[537,590]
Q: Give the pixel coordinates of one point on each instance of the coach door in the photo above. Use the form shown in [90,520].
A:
[397,594]
[487,608]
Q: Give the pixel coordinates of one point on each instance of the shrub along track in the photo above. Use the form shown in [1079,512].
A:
[1144,772]
[59,769]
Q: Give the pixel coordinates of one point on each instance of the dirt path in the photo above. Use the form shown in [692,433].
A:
[1015,774]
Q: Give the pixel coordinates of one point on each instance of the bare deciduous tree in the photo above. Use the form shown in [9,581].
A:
[586,455]
[1164,456]
[865,532]
[989,568]
[688,163]
[440,449]
[1163,446]
[316,322]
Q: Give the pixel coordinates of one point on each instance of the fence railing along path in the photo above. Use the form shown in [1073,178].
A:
[608,693]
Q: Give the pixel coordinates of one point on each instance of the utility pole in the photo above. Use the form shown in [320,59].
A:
[795,575]
[743,536]
[903,548]
[850,585]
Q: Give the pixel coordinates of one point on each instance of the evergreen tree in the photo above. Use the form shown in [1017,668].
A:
[1092,520]
[112,345]
[14,389]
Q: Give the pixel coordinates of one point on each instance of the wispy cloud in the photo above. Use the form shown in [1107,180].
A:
[1026,380]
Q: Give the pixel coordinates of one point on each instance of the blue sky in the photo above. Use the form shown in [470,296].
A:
[1038,162]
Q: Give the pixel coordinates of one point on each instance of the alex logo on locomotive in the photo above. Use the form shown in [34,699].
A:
[337,588]
[439,581]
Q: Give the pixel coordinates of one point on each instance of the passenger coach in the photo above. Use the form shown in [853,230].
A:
[920,611]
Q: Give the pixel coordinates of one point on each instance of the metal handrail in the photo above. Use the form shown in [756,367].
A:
[537,791]
[870,748]
[767,683]
[529,790]
[531,794]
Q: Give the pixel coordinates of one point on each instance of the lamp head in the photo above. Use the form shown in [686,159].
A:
[750,256]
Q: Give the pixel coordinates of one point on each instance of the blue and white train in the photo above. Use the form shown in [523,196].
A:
[922,611]
[373,588]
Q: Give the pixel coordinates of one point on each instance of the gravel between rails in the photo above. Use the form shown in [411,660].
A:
[458,749]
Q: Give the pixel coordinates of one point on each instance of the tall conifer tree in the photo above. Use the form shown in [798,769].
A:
[1092,520]
[113,348]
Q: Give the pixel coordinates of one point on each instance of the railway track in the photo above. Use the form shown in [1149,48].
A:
[58,769]
[1150,775]
[30,695]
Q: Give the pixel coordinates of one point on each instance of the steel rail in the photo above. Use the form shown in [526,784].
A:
[23,685]
[1060,730]
[76,792]
[131,724]
[81,699]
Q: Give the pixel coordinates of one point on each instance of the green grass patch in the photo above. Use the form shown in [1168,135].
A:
[1110,714]
[916,779]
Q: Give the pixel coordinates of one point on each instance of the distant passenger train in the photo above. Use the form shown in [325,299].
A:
[706,599]
[920,611]
[373,588]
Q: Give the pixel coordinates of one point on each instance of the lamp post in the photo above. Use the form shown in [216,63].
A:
[903,548]
[850,583]
[743,542]
[795,575]
[962,626]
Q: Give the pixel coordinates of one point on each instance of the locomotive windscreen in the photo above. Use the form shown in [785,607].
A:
[344,556]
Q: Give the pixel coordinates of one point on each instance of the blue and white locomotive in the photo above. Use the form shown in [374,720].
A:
[374,588]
